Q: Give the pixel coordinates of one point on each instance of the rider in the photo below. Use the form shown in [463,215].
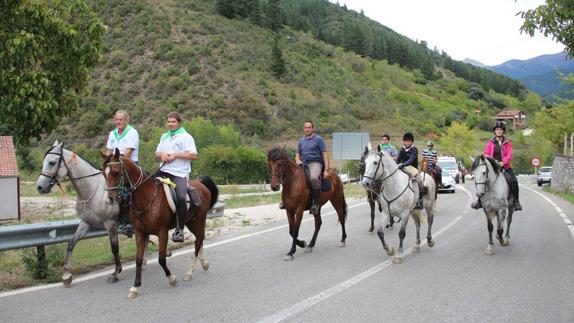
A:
[312,152]
[408,161]
[500,148]
[126,139]
[388,147]
[175,150]
[431,156]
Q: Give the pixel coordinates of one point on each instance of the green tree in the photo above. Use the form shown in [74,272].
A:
[552,18]
[274,15]
[48,51]
[459,141]
[277,61]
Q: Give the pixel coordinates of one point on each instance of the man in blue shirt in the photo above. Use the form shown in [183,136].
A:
[312,152]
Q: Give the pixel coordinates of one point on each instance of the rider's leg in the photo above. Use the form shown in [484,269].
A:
[419,179]
[125,226]
[514,180]
[180,206]
[314,174]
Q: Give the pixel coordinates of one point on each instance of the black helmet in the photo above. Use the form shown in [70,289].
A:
[500,124]
[408,136]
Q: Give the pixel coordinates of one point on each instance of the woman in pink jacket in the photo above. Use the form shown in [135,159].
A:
[500,148]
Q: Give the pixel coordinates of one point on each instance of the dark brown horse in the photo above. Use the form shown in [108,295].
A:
[151,214]
[296,197]
[435,173]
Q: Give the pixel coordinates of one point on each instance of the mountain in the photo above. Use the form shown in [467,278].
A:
[540,74]
[473,62]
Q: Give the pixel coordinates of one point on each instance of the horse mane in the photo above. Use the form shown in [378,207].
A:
[491,160]
[276,154]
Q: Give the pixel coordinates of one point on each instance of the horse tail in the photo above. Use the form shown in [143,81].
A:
[208,182]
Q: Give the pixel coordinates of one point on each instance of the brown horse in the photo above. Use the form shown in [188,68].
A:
[435,173]
[296,197]
[150,212]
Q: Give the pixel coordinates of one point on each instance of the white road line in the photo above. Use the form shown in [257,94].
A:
[154,260]
[317,298]
[558,209]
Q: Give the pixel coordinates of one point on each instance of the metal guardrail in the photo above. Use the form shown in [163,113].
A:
[41,234]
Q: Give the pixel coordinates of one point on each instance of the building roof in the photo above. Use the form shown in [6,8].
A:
[509,113]
[8,164]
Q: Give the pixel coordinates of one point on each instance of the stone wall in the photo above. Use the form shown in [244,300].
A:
[563,173]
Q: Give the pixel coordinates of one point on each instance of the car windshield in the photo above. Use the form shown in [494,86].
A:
[447,164]
[445,173]
[545,169]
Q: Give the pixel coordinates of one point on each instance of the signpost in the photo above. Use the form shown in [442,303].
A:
[349,145]
[535,161]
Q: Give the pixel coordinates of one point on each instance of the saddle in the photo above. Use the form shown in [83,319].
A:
[325,183]
[169,189]
[509,182]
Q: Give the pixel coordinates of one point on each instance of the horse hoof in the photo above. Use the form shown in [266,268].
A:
[205,265]
[489,250]
[397,260]
[112,279]
[504,242]
[430,243]
[172,280]
[304,243]
[67,279]
[390,251]
[416,248]
[186,278]
[288,258]
[342,244]
[133,293]
[308,249]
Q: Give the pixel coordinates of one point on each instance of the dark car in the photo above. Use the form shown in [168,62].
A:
[544,175]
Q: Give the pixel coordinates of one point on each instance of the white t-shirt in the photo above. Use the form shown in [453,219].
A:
[128,139]
[180,142]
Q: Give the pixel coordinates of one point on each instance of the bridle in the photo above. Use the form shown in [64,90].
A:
[281,174]
[485,183]
[54,179]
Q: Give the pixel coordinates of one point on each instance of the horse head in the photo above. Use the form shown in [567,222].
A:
[277,160]
[483,168]
[53,168]
[373,166]
[113,170]
[361,166]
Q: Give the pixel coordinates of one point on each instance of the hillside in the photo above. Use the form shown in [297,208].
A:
[167,55]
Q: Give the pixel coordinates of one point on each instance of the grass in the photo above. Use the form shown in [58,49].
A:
[236,189]
[565,195]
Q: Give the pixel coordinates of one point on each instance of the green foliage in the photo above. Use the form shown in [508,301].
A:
[47,54]
[229,165]
[43,267]
[459,141]
[277,61]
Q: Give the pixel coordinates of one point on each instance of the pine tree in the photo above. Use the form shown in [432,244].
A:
[226,8]
[277,61]
[274,15]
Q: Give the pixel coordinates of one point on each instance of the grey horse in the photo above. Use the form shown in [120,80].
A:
[92,206]
[494,193]
[398,196]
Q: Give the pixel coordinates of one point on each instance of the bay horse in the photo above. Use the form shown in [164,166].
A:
[296,197]
[435,173]
[494,192]
[150,212]
[398,196]
[92,204]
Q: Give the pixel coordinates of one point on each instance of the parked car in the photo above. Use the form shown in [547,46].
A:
[448,182]
[449,164]
[544,175]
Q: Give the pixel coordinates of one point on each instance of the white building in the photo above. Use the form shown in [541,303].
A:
[9,180]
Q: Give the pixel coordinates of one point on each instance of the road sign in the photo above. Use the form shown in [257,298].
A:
[349,145]
[535,162]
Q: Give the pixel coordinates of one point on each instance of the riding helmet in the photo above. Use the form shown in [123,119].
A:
[408,136]
[430,143]
[500,124]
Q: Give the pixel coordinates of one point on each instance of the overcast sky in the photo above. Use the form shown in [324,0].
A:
[483,30]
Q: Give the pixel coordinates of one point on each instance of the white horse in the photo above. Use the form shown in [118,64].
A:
[398,196]
[493,191]
[92,206]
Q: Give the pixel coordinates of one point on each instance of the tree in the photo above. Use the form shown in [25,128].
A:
[277,61]
[48,51]
[459,141]
[274,15]
[553,18]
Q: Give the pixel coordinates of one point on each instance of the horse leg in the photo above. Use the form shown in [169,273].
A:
[371,200]
[430,219]
[417,220]
[318,223]
[490,248]
[402,233]
[67,276]
[198,230]
[508,221]
[162,240]
[113,234]
[141,242]
[390,250]
[294,223]
[500,231]
[341,208]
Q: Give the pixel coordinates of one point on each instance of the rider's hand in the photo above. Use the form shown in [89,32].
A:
[325,173]
[501,164]
[401,166]
[299,162]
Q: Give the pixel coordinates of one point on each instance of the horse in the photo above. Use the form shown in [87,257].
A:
[435,173]
[92,205]
[399,194]
[493,191]
[372,194]
[150,212]
[296,197]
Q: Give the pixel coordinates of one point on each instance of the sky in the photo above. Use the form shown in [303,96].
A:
[484,30]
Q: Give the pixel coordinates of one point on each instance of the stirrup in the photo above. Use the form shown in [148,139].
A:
[177,236]
[476,205]
[127,230]
[314,209]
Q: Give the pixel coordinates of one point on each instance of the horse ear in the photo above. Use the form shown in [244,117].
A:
[366,151]
[55,143]
[482,157]
[369,146]
[117,153]
[378,148]
[283,150]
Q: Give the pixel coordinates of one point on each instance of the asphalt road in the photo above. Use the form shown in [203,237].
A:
[532,280]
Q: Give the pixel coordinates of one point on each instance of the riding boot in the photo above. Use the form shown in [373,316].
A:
[422,191]
[517,205]
[194,196]
[476,205]
[177,235]
[315,202]
[125,227]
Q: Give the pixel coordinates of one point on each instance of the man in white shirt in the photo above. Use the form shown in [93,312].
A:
[175,150]
[126,139]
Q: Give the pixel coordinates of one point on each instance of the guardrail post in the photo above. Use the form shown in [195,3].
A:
[42,271]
